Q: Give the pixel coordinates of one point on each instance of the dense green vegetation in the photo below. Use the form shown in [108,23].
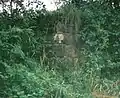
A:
[26,71]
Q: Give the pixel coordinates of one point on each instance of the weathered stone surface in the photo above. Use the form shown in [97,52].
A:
[68,46]
[59,50]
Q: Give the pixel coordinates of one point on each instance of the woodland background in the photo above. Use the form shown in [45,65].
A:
[26,71]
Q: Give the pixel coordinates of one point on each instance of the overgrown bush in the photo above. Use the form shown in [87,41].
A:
[26,71]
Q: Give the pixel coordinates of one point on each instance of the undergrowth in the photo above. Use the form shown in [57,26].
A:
[27,72]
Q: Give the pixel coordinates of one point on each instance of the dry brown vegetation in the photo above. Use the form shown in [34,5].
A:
[102,95]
